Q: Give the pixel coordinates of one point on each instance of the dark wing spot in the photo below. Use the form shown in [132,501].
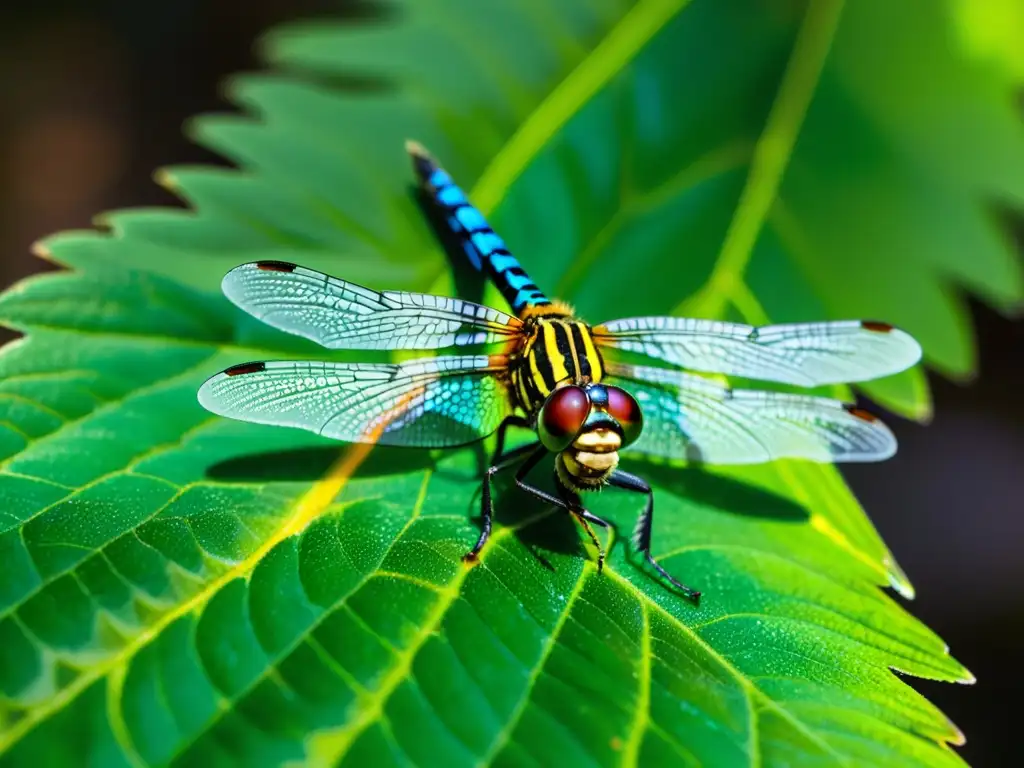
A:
[276,266]
[244,368]
[874,325]
[860,413]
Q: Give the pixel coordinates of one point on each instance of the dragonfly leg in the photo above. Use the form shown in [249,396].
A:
[575,507]
[642,533]
[499,446]
[501,463]
[533,490]
[570,502]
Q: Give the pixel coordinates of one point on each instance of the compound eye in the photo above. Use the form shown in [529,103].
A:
[626,411]
[562,417]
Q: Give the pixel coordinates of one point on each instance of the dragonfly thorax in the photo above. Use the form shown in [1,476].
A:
[555,351]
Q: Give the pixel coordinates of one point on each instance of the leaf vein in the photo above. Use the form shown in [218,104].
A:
[505,734]
[642,721]
[340,603]
[311,506]
[745,683]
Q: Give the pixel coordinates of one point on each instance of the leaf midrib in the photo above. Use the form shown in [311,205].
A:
[782,128]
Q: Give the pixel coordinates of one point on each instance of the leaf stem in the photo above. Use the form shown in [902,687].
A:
[771,158]
[605,61]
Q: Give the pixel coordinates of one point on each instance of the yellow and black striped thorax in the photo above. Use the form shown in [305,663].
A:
[555,350]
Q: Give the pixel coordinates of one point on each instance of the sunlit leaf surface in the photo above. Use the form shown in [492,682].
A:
[177,588]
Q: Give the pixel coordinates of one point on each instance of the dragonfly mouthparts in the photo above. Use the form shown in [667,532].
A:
[600,440]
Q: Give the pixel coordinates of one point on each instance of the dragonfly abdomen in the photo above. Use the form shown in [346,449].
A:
[485,249]
[555,351]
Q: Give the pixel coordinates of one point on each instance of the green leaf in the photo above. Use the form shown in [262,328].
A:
[177,588]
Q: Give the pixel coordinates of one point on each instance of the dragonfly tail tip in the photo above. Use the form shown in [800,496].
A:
[416,149]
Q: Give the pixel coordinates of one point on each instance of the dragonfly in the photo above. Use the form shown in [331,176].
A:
[543,369]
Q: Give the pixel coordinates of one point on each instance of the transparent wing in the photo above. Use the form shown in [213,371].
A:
[342,315]
[691,417]
[804,354]
[428,403]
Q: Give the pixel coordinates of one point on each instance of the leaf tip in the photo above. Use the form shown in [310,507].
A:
[922,413]
[898,580]
[106,221]
[962,374]
[165,178]
[41,250]
[968,677]
[956,737]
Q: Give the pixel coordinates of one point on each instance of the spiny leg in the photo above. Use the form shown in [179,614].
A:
[574,504]
[533,490]
[593,537]
[642,534]
[570,504]
[501,462]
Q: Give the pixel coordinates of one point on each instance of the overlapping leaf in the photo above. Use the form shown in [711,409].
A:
[177,588]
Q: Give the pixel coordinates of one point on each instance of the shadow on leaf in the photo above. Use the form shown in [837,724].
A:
[555,532]
[558,532]
[722,493]
[312,464]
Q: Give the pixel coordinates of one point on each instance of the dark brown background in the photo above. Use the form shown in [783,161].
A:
[92,96]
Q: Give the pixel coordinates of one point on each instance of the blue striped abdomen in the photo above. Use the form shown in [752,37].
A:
[485,250]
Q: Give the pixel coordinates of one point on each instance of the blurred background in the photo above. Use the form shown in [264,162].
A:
[92,98]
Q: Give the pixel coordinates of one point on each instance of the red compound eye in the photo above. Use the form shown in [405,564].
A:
[625,410]
[562,417]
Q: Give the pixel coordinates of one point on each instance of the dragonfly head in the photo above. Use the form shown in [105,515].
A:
[587,426]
